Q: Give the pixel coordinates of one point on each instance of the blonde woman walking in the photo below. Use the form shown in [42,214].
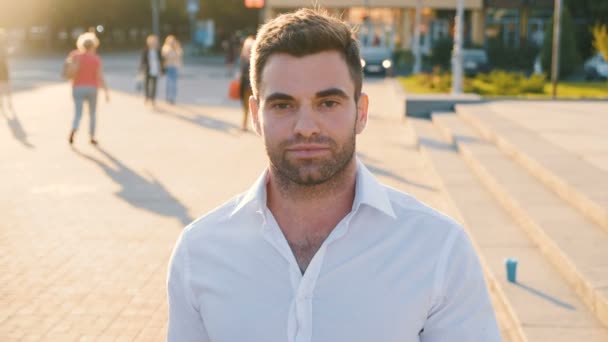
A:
[87,79]
[172,55]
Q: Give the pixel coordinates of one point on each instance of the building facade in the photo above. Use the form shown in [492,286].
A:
[517,22]
[391,23]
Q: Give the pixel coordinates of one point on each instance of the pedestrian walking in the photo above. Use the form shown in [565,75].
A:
[5,84]
[245,85]
[172,56]
[318,250]
[87,78]
[151,67]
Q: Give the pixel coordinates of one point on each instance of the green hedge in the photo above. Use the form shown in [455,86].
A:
[496,83]
[437,81]
[507,83]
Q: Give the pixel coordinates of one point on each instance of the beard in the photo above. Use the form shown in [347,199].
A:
[310,172]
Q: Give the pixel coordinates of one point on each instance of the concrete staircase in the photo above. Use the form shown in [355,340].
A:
[520,196]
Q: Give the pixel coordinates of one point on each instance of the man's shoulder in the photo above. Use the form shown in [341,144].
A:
[409,209]
[215,218]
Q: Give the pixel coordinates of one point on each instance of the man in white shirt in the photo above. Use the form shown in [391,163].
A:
[317,250]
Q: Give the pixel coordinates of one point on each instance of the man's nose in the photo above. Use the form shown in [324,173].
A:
[306,122]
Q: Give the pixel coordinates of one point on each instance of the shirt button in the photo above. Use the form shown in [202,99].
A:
[304,297]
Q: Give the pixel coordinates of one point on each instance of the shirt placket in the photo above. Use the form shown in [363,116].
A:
[299,321]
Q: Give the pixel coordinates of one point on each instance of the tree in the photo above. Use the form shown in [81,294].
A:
[569,57]
[442,53]
[600,39]
[587,13]
[592,10]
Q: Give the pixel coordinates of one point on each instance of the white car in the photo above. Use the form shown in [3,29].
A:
[596,67]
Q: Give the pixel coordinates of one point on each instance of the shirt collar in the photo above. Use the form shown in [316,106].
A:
[368,191]
[256,193]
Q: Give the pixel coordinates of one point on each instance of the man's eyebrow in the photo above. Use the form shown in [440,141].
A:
[279,96]
[332,92]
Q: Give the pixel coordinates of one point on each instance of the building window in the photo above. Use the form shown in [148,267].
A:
[503,24]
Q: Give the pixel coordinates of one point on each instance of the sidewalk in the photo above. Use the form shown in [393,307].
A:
[87,233]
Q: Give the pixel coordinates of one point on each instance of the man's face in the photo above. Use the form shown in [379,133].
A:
[308,116]
[153,42]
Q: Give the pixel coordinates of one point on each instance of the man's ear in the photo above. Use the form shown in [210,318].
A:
[254,108]
[362,111]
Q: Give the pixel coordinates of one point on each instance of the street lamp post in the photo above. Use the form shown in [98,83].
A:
[416,47]
[557,16]
[155,17]
[457,51]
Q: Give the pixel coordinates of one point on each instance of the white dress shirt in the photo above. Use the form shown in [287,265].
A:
[393,270]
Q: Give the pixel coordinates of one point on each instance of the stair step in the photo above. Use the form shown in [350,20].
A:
[576,181]
[573,243]
[541,306]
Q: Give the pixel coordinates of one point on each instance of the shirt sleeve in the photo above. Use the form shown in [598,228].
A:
[185,321]
[462,310]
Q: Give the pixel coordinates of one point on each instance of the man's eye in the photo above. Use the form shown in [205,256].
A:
[329,104]
[280,105]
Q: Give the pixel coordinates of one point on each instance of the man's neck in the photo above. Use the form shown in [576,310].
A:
[307,214]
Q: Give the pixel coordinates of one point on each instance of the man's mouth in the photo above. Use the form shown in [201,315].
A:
[307,150]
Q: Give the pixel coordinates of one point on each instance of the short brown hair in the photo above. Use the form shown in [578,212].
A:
[301,33]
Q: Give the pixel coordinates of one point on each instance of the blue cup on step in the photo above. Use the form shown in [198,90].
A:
[511,264]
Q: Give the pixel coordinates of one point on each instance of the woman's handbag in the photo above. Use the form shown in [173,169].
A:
[70,67]
[234,89]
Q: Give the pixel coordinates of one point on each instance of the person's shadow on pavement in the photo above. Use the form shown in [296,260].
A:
[140,192]
[373,165]
[15,126]
[199,119]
